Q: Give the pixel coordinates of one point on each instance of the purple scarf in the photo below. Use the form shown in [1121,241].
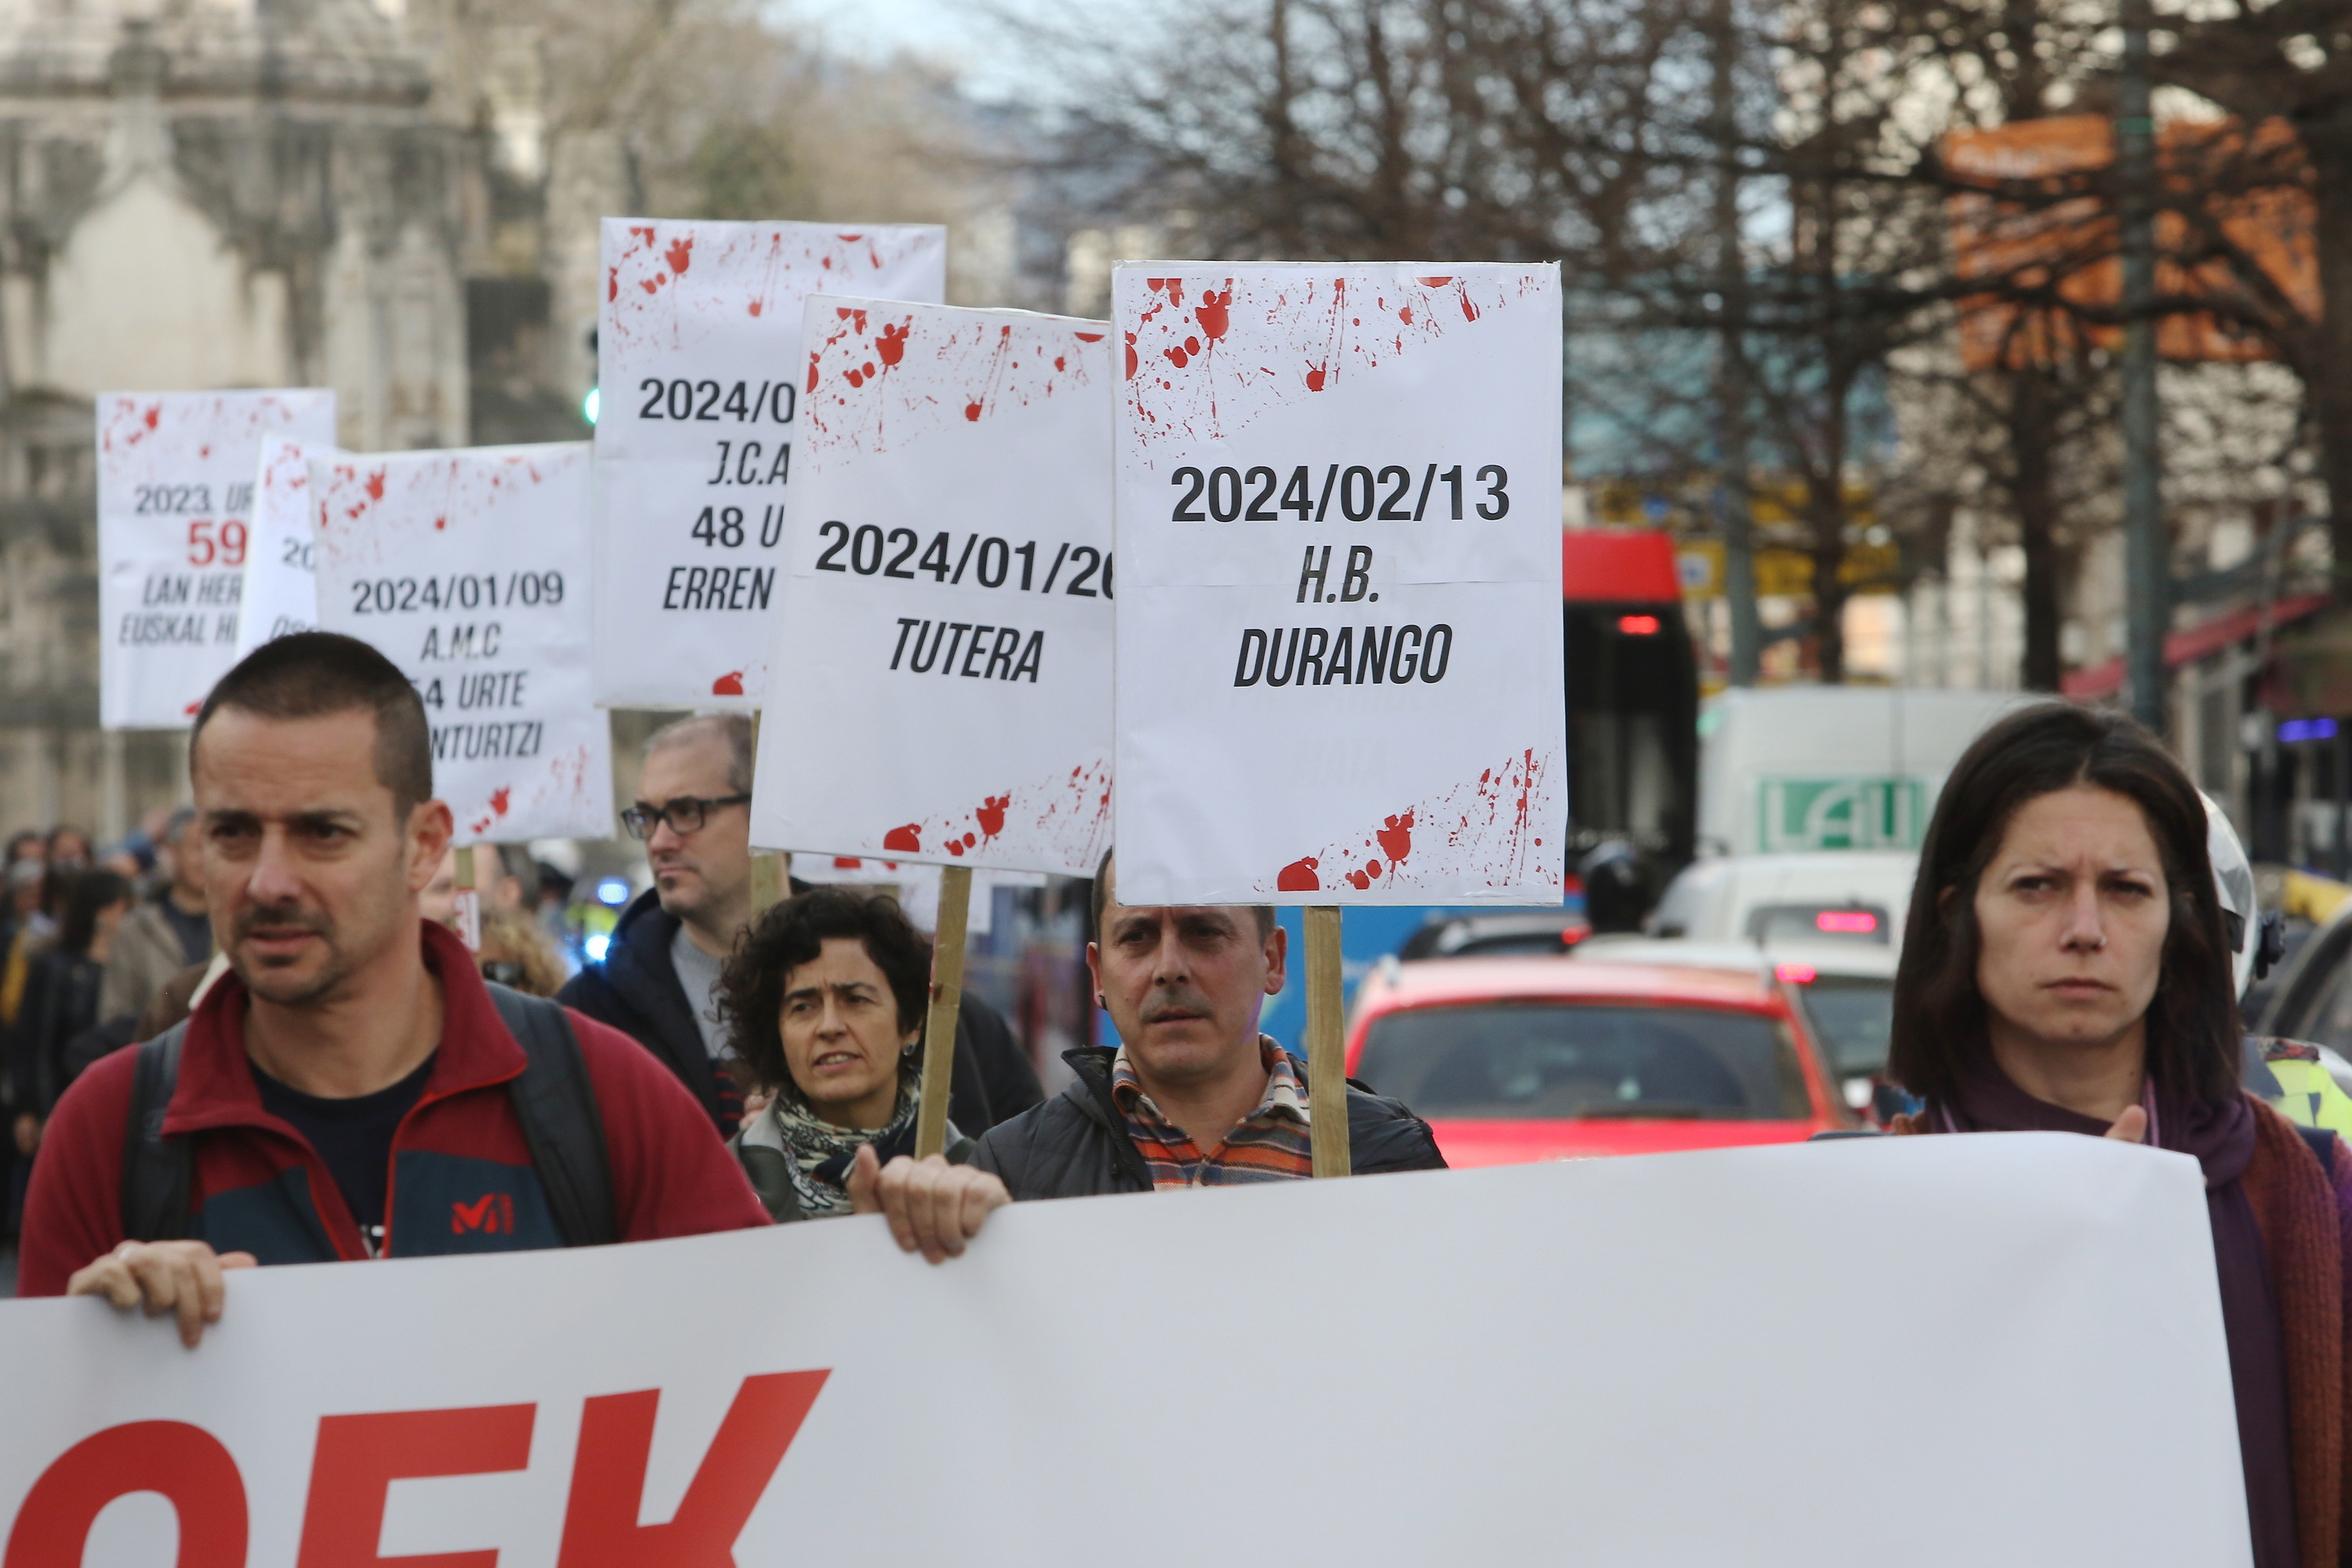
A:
[2222,1139]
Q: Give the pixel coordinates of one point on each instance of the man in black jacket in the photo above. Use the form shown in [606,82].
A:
[660,974]
[1194,1096]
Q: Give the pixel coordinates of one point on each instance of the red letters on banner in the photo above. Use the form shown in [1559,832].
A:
[608,1476]
[186,1464]
[359,1457]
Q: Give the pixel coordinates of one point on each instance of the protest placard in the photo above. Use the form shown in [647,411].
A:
[1643,1363]
[1339,674]
[701,382]
[281,586]
[462,567]
[946,616]
[917,885]
[176,474]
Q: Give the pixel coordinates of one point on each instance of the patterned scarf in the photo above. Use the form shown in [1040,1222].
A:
[821,1153]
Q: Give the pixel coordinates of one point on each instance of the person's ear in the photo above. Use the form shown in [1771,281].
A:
[1277,954]
[430,827]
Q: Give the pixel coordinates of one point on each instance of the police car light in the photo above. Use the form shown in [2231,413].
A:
[613,890]
[597,947]
[590,403]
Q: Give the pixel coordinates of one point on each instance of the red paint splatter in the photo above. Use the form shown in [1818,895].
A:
[756,307]
[909,838]
[850,238]
[1315,379]
[498,801]
[650,285]
[1060,363]
[1298,877]
[439,523]
[375,485]
[1131,356]
[1358,880]
[955,847]
[1094,337]
[972,412]
[191,709]
[1434,282]
[1404,314]
[853,377]
[892,344]
[681,255]
[612,284]
[812,385]
[1176,291]
[969,839]
[846,862]
[645,236]
[727,685]
[1178,358]
[991,815]
[1396,838]
[1469,310]
[1212,315]
[152,414]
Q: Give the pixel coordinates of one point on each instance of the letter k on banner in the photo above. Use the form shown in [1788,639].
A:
[608,1477]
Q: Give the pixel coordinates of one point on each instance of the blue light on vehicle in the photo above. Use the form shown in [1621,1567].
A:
[596,947]
[2307,730]
[589,404]
[613,890]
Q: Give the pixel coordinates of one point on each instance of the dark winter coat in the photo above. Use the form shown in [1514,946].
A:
[1076,1145]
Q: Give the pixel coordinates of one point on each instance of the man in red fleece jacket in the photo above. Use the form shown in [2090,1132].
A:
[346,1087]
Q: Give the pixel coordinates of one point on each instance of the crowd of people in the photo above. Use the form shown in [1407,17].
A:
[349,1084]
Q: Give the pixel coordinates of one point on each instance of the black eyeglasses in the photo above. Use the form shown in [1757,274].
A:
[685,814]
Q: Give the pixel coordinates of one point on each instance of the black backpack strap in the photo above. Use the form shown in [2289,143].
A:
[2323,1143]
[159,1173]
[556,1104]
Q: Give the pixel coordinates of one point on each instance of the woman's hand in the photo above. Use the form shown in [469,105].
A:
[2131,1127]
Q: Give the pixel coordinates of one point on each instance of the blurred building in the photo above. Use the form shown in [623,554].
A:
[194,193]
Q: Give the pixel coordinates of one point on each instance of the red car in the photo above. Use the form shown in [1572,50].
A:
[1518,1059]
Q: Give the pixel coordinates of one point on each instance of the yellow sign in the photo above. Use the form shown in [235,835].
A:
[1785,574]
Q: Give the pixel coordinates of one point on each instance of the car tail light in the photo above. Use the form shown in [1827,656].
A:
[1638,625]
[1793,974]
[1570,935]
[1855,923]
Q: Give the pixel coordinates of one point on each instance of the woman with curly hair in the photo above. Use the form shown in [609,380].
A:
[823,1002]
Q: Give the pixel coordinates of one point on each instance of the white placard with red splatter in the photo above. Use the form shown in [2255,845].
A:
[918,886]
[945,632]
[464,568]
[174,497]
[1340,670]
[701,381]
[282,588]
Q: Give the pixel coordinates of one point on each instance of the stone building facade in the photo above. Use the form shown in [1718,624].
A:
[197,194]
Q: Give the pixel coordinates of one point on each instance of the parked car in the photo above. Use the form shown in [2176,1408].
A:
[1518,1060]
[1490,936]
[1844,989]
[1852,895]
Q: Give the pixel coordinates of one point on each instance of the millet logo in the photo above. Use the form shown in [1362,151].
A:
[492,1215]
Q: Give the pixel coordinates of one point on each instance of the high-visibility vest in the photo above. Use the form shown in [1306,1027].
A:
[2291,1077]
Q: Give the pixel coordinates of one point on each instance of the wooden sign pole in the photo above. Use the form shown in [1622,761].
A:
[768,876]
[469,901]
[947,1001]
[1327,1044]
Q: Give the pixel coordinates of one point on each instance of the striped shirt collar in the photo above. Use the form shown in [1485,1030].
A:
[1285,1098]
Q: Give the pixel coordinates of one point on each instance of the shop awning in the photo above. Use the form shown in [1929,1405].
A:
[2193,643]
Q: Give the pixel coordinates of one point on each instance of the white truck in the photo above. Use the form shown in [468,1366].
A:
[1810,768]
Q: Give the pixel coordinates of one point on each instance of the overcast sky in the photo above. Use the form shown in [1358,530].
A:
[945,30]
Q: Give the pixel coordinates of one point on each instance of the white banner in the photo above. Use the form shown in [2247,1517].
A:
[174,499]
[918,886]
[1934,1350]
[464,568]
[700,381]
[1340,670]
[946,614]
[281,586]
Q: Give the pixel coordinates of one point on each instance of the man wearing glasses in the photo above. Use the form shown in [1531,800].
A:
[659,979]
[660,974]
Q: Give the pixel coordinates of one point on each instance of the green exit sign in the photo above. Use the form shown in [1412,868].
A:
[1841,814]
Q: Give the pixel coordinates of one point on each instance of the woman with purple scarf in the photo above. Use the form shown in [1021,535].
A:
[2065,969]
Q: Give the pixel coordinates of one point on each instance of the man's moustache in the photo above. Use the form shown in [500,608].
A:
[1166,1001]
[277,922]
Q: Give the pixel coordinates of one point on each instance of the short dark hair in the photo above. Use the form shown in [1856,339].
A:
[1940,1023]
[85,894]
[307,675]
[794,932]
[1264,912]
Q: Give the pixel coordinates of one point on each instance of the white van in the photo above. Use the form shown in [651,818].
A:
[1845,895]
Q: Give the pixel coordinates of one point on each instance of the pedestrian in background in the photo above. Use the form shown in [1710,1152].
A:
[168,930]
[2065,969]
[61,999]
[825,1002]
